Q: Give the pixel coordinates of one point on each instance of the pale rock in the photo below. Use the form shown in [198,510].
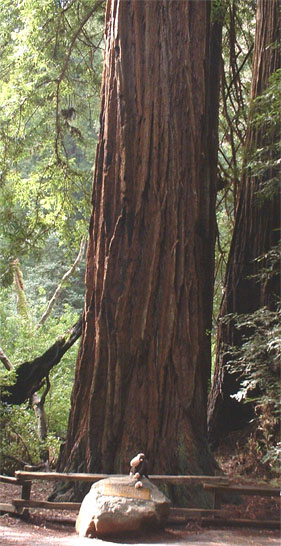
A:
[113,506]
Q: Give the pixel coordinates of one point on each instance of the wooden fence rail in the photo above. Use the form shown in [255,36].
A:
[215,484]
[220,490]
[83,477]
[24,479]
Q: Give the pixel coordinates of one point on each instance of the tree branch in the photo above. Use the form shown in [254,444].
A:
[7,363]
[47,388]
[14,459]
[60,285]
[29,375]
[228,87]
[64,68]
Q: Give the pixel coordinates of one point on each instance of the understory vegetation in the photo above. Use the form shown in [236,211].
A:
[257,363]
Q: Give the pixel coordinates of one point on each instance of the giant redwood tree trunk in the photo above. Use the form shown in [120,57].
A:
[256,231]
[144,360]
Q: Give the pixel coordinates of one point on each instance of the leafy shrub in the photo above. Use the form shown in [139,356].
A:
[19,441]
[23,342]
[258,363]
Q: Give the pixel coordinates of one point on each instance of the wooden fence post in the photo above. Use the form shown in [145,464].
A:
[25,495]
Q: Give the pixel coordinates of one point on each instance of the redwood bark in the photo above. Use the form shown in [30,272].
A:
[256,231]
[144,359]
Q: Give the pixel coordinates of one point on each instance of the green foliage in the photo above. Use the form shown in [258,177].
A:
[269,264]
[23,342]
[263,159]
[6,378]
[218,11]
[51,57]
[237,46]
[257,362]
[42,278]
[18,440]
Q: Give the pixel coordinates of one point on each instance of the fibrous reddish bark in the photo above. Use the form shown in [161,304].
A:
[256,231]
[144,360]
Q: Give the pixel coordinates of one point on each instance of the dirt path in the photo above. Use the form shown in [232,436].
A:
[16,532]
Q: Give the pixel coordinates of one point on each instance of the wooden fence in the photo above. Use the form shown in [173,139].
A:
[218,485]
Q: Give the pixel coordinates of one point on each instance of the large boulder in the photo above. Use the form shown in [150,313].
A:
[114,506]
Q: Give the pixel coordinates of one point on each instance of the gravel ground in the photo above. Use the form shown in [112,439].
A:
[16,532]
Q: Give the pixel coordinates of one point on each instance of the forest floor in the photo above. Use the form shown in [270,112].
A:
[48,528]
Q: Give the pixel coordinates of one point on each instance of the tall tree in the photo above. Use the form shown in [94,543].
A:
[144,360]
[256,230]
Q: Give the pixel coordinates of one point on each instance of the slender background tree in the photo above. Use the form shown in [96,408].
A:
[256,230]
